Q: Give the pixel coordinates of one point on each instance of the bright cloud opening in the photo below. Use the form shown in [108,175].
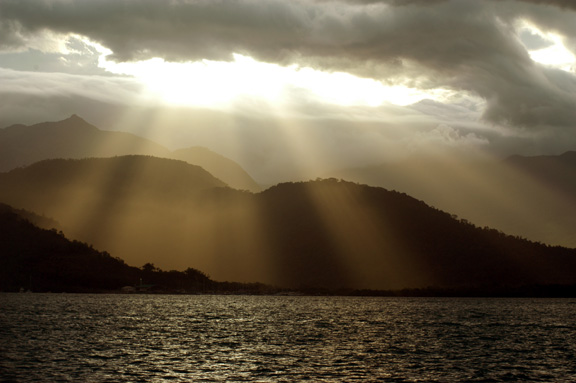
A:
[555,54]
[209,83]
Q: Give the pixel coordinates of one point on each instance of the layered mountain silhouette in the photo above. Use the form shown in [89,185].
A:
[324,233]
[22,145]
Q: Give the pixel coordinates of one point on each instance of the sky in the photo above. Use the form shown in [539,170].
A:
[303,86]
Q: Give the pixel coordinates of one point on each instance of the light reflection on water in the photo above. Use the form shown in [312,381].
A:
[97,338]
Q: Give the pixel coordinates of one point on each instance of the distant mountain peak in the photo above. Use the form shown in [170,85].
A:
[72,121]
[75,117]
[75,121]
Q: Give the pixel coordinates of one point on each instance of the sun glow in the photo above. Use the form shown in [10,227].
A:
[556,55]
[209,83]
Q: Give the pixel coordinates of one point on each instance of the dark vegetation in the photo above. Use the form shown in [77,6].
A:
[41,260]
[328,228]
[318,236]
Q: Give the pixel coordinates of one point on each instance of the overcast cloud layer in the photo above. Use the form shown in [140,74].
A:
[479,50]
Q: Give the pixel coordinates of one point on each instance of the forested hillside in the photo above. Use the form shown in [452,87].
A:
[324,233]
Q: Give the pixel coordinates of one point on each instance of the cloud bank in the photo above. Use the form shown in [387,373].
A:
[463,45]
[482,53]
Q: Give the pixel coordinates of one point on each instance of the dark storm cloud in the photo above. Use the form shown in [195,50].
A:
[468,46]
[557,3]
[177,30]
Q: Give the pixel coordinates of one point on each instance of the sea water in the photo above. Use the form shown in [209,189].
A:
[147,338]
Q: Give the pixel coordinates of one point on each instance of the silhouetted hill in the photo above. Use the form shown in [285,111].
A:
[521,196]
[52,186]
[74,138]
[99,200]
[42,260]
[37,220]
[340,231]
[326,233]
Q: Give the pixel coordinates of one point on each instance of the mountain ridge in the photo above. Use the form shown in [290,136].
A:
[512,195]
[22,145]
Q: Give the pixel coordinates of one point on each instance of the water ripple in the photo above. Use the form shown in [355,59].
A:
[102,338]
